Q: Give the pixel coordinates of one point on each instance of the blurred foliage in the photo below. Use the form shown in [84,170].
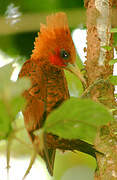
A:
[108,48]
[19,44]
[11,101]
[113,80]
[72,173]
[35,6]
[22,43]
[72,160]
[112,62]
[74,84]
[113,30]
[115,39]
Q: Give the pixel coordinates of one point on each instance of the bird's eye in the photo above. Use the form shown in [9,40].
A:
[64,54]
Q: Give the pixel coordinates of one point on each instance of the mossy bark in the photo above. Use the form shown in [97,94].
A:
[106,142]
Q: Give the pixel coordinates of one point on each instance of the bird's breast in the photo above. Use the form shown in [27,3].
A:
[57,91]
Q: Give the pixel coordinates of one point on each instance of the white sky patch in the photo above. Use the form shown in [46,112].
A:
[79,38]
[4,59]
[18,168]
[115,69]
[12,14]
[16,71]
[115,65]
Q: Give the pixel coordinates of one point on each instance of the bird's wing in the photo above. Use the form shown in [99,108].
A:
[35,110]
[35,96]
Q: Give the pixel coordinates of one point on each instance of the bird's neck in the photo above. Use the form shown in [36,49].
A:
[51,71]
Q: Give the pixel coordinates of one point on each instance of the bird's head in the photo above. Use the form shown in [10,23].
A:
[54,44]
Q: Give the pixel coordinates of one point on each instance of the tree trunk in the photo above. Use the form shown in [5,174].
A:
[99,39]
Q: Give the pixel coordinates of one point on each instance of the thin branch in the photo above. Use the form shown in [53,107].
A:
[32,160]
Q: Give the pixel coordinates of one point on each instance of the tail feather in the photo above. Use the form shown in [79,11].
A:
[49,157]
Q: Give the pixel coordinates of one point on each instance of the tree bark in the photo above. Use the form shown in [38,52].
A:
[106,142]
[97,63]
[99,14]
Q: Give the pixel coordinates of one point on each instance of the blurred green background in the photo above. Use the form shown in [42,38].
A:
[20,21]
[19,24]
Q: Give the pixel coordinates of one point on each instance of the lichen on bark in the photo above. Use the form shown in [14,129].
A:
[97,63]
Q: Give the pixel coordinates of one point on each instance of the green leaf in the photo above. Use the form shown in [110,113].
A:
[8,112]
[108,48]
[113,80]
[5,74]
[74,84]
[115,40]
[113,61]
[113,30]
[8,88]
[77,119]
[17,105]
[5,124]
[11,101]
[16,88]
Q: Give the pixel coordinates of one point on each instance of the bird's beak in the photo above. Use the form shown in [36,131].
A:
[75,70]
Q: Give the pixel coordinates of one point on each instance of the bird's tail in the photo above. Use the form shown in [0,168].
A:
[48,155]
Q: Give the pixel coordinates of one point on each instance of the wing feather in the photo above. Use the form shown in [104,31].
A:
[35,110]
[35,96]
